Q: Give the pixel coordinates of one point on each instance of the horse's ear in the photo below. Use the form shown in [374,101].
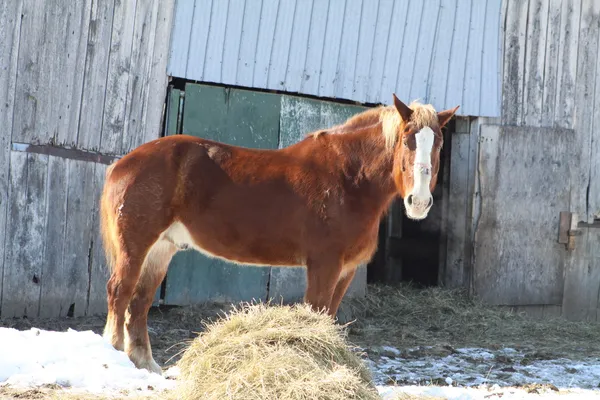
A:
[446,115]
[403,109]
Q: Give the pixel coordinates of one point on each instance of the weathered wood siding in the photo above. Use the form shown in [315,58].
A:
[81,83]
[446,52]
[541,158]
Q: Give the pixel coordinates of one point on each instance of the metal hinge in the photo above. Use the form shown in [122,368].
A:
[570,227]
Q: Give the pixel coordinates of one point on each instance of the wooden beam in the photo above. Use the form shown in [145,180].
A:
[72,154]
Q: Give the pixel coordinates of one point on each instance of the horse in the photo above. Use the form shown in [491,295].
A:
[315,204]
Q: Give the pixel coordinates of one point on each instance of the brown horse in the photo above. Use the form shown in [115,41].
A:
[317,203]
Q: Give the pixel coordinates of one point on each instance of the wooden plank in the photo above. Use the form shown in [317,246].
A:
[473,199]
[587,77]
[95,73]
[62,152]
[551,65]
[593,186]
[26,235]
[445,189]
[243,118]
[535,55]
[582,279]
[513,266]
[98,270]
[157,84]
[53,286]
[49,86]
[172,111]
[280,53]
[136,111]
[10,30]
[454,274]
[564,113]
[70,289]
[119,72]
[515,39]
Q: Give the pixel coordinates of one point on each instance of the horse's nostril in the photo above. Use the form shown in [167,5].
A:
[409,199]
[430,202]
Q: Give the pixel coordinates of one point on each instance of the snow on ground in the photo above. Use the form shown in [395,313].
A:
[78,360]
[476,366]
[484,393]
[85,361]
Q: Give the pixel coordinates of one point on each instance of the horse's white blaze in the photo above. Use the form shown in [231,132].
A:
[422,166]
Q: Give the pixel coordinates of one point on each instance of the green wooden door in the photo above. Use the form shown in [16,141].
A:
[242,118]
[250,119]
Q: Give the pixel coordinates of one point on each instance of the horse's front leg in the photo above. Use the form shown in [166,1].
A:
[322,276]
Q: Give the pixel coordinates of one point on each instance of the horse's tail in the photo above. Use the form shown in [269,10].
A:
[107,222]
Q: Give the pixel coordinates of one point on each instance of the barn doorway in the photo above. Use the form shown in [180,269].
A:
[414,251]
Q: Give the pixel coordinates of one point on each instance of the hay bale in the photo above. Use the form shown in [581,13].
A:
[273,352]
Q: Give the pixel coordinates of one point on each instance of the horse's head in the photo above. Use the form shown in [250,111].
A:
[417,154]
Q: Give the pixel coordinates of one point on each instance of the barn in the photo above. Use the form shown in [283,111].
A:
[517,208]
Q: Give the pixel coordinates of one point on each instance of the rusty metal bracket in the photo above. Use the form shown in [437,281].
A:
[570,227]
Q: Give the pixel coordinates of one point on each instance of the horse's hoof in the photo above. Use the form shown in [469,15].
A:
[152,366]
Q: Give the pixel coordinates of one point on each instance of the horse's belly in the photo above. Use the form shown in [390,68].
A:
[244,250]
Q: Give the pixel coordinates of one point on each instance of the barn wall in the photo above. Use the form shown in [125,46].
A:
[540,158]
[82,83]
[446,52]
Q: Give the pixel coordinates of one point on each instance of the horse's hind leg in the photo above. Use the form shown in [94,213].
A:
[137,342]
[119,290]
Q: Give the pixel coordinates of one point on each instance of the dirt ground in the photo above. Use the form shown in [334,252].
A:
[429,322]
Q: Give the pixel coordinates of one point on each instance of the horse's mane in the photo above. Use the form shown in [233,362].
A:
[423,115]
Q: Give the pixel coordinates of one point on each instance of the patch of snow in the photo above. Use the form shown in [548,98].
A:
[476,366]
[391,349]
[72,359]
[483,393]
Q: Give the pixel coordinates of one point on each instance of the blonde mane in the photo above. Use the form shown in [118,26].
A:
[390,119]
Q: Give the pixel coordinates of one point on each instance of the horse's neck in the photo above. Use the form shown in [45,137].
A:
[366,159]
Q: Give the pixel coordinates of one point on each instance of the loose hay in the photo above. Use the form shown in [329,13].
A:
[406,316]
[273,352]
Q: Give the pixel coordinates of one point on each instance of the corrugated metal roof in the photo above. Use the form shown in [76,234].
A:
[446,52]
